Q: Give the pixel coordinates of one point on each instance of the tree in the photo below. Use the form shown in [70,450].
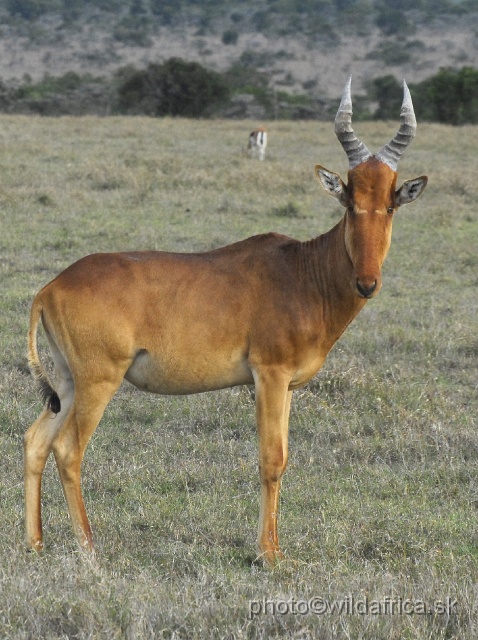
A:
[393,22]
[230,36]
[175,88]
[32,9]
[388,93]
[167,10]
[450,97]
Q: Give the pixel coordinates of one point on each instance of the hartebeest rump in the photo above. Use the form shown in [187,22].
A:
[264,311]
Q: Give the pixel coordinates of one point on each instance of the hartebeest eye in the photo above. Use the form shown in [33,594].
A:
[390,209]
[350,208]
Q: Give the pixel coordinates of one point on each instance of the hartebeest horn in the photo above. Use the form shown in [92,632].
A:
[391,153]
[356,151]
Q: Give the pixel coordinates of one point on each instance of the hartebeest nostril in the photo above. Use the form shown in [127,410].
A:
[366,290]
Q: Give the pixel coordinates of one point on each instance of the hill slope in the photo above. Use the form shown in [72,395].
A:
[294,48]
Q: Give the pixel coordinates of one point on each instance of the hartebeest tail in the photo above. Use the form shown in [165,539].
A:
[48,394]
[265,311]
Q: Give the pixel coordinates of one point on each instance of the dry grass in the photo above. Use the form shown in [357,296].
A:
[380,497]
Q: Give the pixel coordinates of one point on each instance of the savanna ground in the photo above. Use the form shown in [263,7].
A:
[379,503]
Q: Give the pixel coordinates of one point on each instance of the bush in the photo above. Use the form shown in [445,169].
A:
[230,36]
[32,9]
[245,79]
[167,10]
[393,22]
[71,93]
[389,94]
[133,30]
[391,53]
[50,85]
[450,97]
[175,88]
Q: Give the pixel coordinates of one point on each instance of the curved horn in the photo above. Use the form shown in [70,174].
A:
[391,153]
[356,151]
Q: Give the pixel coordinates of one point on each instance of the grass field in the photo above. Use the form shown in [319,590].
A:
[379,503]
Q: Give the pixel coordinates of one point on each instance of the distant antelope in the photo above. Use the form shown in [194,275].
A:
[257,143]
[264,311]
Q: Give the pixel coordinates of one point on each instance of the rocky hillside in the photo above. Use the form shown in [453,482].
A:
[307,47]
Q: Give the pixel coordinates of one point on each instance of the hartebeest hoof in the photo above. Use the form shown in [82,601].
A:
[35,546]
[271,557]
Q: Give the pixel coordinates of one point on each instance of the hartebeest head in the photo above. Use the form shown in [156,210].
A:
[370,197]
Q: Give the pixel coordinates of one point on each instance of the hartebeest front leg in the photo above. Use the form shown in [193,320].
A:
[273,400]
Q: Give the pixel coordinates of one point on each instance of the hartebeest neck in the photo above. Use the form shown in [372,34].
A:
[329,271]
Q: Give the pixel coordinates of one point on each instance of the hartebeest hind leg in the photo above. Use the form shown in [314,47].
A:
[273,401]
[69,446]
[66,434]
[37,447]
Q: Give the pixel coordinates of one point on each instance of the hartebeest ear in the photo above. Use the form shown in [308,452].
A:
[410,190]
[332,183]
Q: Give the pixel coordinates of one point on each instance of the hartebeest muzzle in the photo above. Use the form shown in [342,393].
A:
[365,288]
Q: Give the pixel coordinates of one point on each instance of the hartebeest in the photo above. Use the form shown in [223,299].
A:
[257,143]
[264,311]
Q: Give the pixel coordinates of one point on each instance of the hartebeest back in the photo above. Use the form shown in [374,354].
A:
[264,311]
